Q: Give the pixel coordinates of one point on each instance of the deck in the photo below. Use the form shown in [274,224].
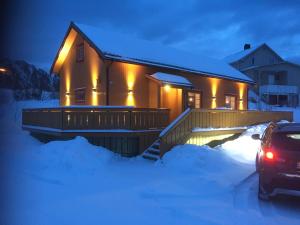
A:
[125,130]
[130,131]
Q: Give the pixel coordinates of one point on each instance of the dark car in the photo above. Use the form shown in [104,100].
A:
[278,160]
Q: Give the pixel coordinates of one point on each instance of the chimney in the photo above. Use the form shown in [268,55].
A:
[247,46]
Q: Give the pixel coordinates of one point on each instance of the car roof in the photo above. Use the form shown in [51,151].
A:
[287,127]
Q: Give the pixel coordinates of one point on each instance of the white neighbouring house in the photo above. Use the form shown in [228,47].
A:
[277,80]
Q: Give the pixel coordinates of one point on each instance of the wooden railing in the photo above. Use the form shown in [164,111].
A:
[180,130]
[95,118]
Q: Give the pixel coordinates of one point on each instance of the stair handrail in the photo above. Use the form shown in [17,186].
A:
[176,121]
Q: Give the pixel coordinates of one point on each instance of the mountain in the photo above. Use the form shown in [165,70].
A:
[27,81]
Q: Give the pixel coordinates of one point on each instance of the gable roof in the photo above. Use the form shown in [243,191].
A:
[114,46]
[244,53]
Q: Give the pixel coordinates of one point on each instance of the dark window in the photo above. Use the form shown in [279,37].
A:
[80,52]
[80,95]
[230,102]
[286,141]
[253,60]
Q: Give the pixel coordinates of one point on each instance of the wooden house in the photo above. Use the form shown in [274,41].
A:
[127,90]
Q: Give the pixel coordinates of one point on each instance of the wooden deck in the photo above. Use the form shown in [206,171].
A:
[181,130]
[125,130]
[129,131]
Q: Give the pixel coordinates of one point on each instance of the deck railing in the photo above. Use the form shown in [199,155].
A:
[96,118]
[180,130]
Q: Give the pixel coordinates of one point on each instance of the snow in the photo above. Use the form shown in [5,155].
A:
[125,47]
[74,182]
[171,79]
[197,129]
[241,54]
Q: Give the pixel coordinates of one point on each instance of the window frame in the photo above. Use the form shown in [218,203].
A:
[80,100]
[235,101]
[80,54]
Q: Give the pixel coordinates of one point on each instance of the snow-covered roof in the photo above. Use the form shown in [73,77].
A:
[126,48]
[239,55]
[171,79]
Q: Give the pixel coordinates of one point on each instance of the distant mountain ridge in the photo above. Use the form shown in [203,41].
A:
[27,81]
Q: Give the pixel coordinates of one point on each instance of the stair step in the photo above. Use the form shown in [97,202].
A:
[154,151]
[147,155]
[155,144]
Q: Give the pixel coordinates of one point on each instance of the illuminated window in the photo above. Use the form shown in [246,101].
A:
[80,95]
[230,102]
[80,52]
[194,100]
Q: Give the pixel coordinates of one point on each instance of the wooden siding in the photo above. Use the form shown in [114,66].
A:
[123,77]
[180,131]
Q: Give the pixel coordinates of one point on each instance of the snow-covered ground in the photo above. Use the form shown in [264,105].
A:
[73,182]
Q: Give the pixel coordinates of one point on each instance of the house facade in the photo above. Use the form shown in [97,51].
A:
[277,80]
[96,68]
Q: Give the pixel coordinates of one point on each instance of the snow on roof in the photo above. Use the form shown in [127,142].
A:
[123,47]
[171,79]
[239,55]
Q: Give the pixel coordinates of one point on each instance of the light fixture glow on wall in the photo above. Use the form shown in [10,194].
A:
[167,87]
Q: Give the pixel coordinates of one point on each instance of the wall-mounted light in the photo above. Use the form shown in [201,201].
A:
[68,94]
[214,98]
[190,99]
[2,70]
[94,90]
[130,91]
[167,87]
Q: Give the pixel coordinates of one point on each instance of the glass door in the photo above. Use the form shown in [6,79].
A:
[194,100]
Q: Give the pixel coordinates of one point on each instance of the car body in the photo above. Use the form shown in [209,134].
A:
[278,160]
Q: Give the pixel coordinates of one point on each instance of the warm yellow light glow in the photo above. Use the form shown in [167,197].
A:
[203,139]
[214,88]
[241,87]
[190,99]
[130,99]
[167,87]
[68,100]
[3,70]
[64,50]
[132,72]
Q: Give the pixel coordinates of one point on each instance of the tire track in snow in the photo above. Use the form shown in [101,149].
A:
[249,209]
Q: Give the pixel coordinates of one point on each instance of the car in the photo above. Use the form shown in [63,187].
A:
[278,160]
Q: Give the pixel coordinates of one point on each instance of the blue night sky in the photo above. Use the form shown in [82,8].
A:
[216,28]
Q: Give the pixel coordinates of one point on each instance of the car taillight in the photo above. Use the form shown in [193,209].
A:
[268,154]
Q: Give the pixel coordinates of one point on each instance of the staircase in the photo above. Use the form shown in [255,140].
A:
[152,152]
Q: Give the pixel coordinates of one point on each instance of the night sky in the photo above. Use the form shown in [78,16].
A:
[34,29]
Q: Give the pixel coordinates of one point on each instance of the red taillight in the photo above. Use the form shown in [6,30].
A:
[269,155]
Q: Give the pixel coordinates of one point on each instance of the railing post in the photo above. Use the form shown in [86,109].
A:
[62,118]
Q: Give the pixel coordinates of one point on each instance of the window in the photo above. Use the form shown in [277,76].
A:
[230,102]
[80,52]
[80,95]
[194,100]
[253,60]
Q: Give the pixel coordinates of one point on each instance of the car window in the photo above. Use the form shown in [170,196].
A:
[286,141]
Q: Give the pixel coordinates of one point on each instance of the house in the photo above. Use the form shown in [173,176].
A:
[132,95]
[277,80]
[102,68]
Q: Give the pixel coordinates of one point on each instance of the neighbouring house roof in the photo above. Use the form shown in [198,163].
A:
[271,65]
[113,45]
[166,78]
[242,54]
